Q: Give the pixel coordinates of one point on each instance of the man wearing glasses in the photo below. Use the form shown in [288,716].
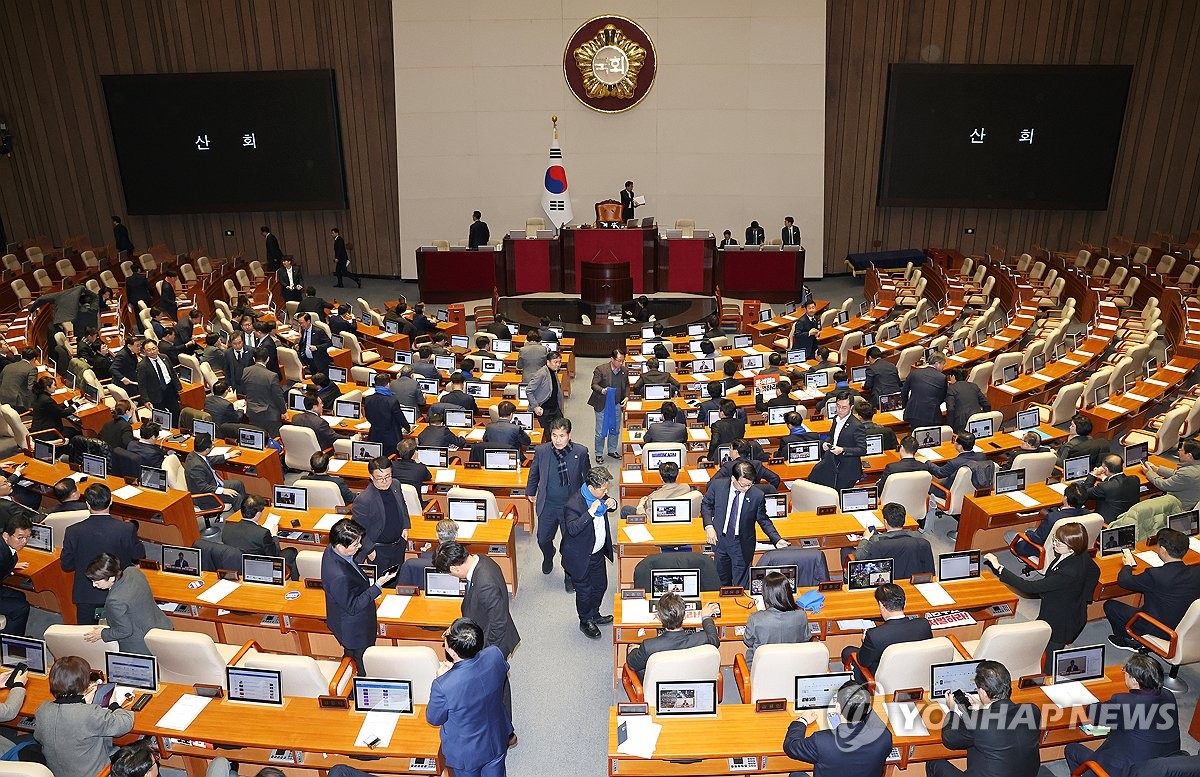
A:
[381,511]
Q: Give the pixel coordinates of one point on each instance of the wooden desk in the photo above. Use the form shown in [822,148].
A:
[44,583]
[260,471]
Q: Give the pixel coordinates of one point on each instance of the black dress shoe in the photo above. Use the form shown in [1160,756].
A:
[599,459]
[604,619]
[616,456]
[589,629]
[547,566]
[512,740]
[569,585]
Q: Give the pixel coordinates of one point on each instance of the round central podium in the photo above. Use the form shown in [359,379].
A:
[605,283]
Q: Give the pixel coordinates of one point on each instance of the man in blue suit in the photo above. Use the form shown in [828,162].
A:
[349,596]
[557,472]
[731,507]
[465,700]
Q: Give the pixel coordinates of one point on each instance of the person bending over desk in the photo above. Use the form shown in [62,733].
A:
[130,608]
[860,745]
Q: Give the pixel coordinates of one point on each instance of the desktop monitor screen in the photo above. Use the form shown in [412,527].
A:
[858,374]
[256,686]
[868,339]
[703,366]
[862,575]
[1028,419]
[132,669]
[23,650]
[433,457]
[843,317]
[44,451]
[524,418]
[857,499]
[655,458]
[1150,368]
[204,427]
[467,510]
[685,582]
[153,478]
[656,391]
[1117,540]
[816,380]
[928,436]
[1078,664]
[1101,395]
[401,357]
[443,584]
[653,417]
[185,373]
[1188,523]
[945,679]
[92,393]
[297,401]
[444,362]
[459,419]
[981,428]
[680,698]
[874,444]
[1076,468]
[290,498]
[162,418]
[267,570]
[365,451]
[958,566]
[1039,362]
[797,356]
[801,452]
[391,326]
[1010,373]
[252,439]
[958,346]
[890,402]
[336,374]
[764,315]
[443,315]
[41,537]
[180,561]
[501,459]
[670,511]
[817,691]
[743,341]
[647,332]
[429,386]
[478,389]
[492,366]
[502,346]
[776,505]
[1010,480]
[373,694]
[695,346]
[759,573]
[695,330]
[776,413]
[460,341]
[94,466]
[347,408]
[753,362]
[1137,453]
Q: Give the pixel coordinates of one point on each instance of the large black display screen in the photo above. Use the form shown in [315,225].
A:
[220,142]
[1002,136]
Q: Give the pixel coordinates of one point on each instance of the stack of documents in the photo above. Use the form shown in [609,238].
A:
[637,735]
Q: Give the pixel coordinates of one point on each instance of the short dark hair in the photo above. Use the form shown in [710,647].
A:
[793,418]
[134,760]
[69,676]
[775,359]
[18,521]
[64,488]
[202,442]
[562,422]
[149,431]
[873,352]
[1076,494]
[839,376]
[437,418]
[729,368]
[895,514]
[98,496]
[671,611]
[1175,543]
[855,701]
[464,636]
[728,408]
[891,596]
[993,678]
[1113,463]
[716,389]
[1192,447]
[318,462]
[597,476]
[966,440]
[785,387]
[668,471]
[220,387]
[1083,425]
[103,567]
[450,554]
[743,469]
[669,411]
[378,464]
[505,409]
[252,507]
[744,447]
[345,532]
[310,400]
[1145,670]
[475,215]
[259,354]
[863,409]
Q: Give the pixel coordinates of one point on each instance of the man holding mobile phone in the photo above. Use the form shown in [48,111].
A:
[349,595]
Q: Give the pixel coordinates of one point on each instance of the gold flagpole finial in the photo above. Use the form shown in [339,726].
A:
[554,121]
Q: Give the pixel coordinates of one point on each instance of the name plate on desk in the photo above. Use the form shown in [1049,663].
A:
[731,590]
[635,519]
[408,590]
[829,585]
[771,705]
[633,593]
[826,509]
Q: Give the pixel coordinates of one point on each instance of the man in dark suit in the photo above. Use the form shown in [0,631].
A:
[923,393]
[437,435]
[841,453]
[730,508]
[653,375]
[124,366]
[1002,739]
[237,358]
[388,423]
[755,234]
[145,449]
[311,303]
[137,288]
[343,321]
[982,470]
[17,379]
[499,328]
[349,596]
[1114,491]
[467,701]
[118,432]
[907,463]
[121,240]
[627,202]
[168,302]
[558,470]
[727,239]
[274,252]
[669,429]
[726,429]
[587,542]
[455,395]
[341,258]
[1167,591]
[671,613]
[478,236]
[96,534]
[381,511]
[910,552]
[790,232]
[266,404]
[218,405]
[504,432]
[313,346]
[896,628]
[311,419]
[1143,723]
[882,377]
[160,384]
[319,463]
[291,280]
[405,469]
[1073,501]
[802,332]
[200,471]
[270,346]
[866,413]
[749,451]
[1031,442]
[248,536]
[860,745]
[15,530]
[1080,442]
[963,399]
[783,397]
[185,330]
[609,378]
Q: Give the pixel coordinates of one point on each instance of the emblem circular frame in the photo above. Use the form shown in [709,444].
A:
[644,80]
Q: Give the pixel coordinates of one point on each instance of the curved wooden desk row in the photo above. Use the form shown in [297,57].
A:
[248,733]
[706,745]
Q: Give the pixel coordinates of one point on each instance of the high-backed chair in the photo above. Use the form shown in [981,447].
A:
[1149,515]
[908,359]
[1062,409]
[321,494]
[492,509]
[1019,646]
[1163,438]
[687,226]
[1038,466]
[697,663]
[981,375]
[1180,647]
[299,444]
[190,657]
[533,225]
[1002,361]
[807,496]
[305,676]
[289,364]
[910,489]
[608,212]
[417,663]
[704,564]
[907,664]
[59,522]
[308,563]
[24,769]
[773,673]
[1092,524]
[68,640]
[357,354]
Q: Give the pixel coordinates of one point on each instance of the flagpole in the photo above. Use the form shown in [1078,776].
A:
[554,124]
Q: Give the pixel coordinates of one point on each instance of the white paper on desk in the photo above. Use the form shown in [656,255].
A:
[466,529]
[867,519]
[890,344]
[1008,388]
[1173,368]
[1041,377]
[377,725]
[955,359]
[1150,557]
[1194,544]
[475,434]
[1158,383]
[127,492]
[935,594]
[1059,487]
[332,420]
[929,454]
[443,476]
[631,405]
[1113,408]
[183,712]
[271,523]
[364,426]
[697,434]
[636,611]
[641,735]
[631,476]
[393,606]
[1136,397]
[78,476]
[327,521]
[1069,694]
[855,624]
[1071,362]
[1003,338]
[337,464]
[1023,499]
[905,720]
[637,449]
[164,434]
[220,450]
[219,591]
[698,475]
[638,534]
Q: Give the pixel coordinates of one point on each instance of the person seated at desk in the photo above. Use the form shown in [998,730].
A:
[774,365]
[200,471]
[505,432]
[1167,591]
[118,432]
[780,622]
[1080,442]
[76,736]
[907,463]
[499,327]
[436,435]
[456,395]
[823,360]
[1002,739]
[669,429]
[1114,491]
[859,746]
[726,429]
[963,399]
[982,468]
[440,344]
[782,398]
[344,322]
[1031,442]
[129,609]
[47,413]
[467,368]
[15,530]
[17,378]
[727,239]
[866,413]
[1183,482]
[670,613]
[319,463]
[654,376]
[95,353]
[312,418]
[745,450]
[482,346]
[730,383]
[670,489]
[146,449]
[1143,723]
[895,629]
[327,390]
[548,335]
[912,553]
[423,364]
[405,469]
[755,234]
[249,536]
[797,432]
[1073,501]
[638,309]
[66,491]
[219,404]
[841,382]
[715,390]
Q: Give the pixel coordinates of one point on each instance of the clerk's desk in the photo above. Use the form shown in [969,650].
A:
[976,597]
[705,745]
[249,732]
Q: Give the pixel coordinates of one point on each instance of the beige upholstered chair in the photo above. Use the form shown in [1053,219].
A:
[417,663]
[305,676]
[68,640]
[773,673]
[1019,646]
[190,657]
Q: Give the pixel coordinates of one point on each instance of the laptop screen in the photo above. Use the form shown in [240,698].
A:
[703,366]
[958,566]
[1078,664]
[817,691]
[753,362]
[254,439]
[433,457]
[1188,523]
[693,697]
[267,570]
[1117,540]
[443,584]
[290,498]
[656,391]
[816,380]
[776,505]
[131,669]
[981,428]
[1077,468]
[94,466]
[41,538]
[365,451]
[1137,453]
[858,499]
[204,427]
[670,511]
[373,694]
[758,574]
[776,413]
[345,408]
[863,575]
[685,582]
[180,560]
[945,679]
[1028,419]
[467,510]
[928,436]
[336,374]
[801,452]
[797,356]
[153,478]
[459,419]
[500,459]
[890,402]
[874,444]
[23,650]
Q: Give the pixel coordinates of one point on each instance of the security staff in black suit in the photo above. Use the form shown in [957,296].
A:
[381,511]
[96,534]
[882,377]
[923,393]
[1066,587]
[860,745]
[313,346]
[730,509]
[1114,491]
[802,332]
[587,542]
[122,241]
[291,280]
[137,288]
[669,429]
[274,252]
[1080,442]
[504,432]
[841,453]
[790,232]
[1002,739]
[405,469]
[237,358]
[479,234]
[270,346]
[160,384]
[896,628]
[755,235]
[15,531]
[341,259]
[349,596]
[627,203]
[311,303]
[1167,591]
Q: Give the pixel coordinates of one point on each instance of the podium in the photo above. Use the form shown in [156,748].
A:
[605,283]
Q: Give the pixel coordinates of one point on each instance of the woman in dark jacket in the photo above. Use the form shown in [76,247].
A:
[1065,588]
[47,414]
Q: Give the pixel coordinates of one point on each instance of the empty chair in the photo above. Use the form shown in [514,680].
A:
[357,354]
[1101,269]
[12,263]
[308,562]
[147,262]
[709,579]
[910,489]
[59,522]
[189,657]
[1180,647]
[418,664]
[1165,265]
[1002,361]
[289,364]
[984,294]
[299,444]
[43,280]
[697,663]
[775,668]
[64,268]
[1019,646]
[1125,298]
[981,375]
[807,497]
[322,495]
[188,274]
[68,640]
[908,359]
[1165,437]
[491,509]
[305,676]
[256,270]
[1148,516]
